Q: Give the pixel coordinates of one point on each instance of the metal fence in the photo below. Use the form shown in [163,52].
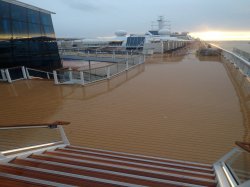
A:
[239,62]
[97,55]
[74,76]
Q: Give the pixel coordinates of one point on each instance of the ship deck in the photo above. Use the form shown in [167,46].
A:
[175,106]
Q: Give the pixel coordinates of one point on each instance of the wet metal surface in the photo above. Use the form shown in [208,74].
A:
[177,107]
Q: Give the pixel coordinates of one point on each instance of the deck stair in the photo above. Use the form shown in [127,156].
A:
[81,166]
[62,164]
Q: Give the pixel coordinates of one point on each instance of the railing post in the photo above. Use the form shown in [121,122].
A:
[113,56]
[127,64]
[63,135]
[82,77]
[48,75]
[8,75]
[70,74]
[24,73]
[27,73]
[3,75]
[55,77]
[108,72]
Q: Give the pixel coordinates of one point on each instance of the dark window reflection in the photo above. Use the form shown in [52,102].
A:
[5,29]
[33,16]
[18,13]
[4,9]
[20,29]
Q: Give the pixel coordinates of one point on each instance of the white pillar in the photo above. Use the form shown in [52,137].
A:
[24,73]
[8,76]
[55,77]
[82,77]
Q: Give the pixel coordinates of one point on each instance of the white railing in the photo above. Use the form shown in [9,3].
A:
[34,73]
[242,53]
[2,75]
[98,55]
[239,62]
[21,73]
[70,76]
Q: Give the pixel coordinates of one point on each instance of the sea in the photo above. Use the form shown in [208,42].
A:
[229,45]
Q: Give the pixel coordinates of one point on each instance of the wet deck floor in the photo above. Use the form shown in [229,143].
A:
[176,107]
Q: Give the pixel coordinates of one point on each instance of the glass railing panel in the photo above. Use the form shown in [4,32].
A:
[25,137]
[239,166]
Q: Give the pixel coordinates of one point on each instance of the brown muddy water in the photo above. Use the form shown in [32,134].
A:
[179,107]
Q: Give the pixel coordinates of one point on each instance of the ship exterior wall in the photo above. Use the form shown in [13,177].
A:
[27,38]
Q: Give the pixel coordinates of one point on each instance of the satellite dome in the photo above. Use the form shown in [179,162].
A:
[164,32]
[120,33]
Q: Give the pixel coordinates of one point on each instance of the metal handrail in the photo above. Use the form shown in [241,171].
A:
[55,125]
[38,125]
[237,56]
[243,145]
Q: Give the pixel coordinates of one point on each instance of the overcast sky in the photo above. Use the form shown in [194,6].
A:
[93,18]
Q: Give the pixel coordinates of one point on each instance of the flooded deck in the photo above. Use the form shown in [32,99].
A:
[177,107]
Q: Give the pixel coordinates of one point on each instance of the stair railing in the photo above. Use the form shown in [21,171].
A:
[7,131]
[233,169]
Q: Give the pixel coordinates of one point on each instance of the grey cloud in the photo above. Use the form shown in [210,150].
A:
[81,5]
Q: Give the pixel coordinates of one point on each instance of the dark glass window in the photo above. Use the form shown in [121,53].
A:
[20,29]
[52,46]
[33,16]
[35,47]
[4,9]
[46,19]
[18,13]
[5,30]
[34,30]
[5,48]
[21,47]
